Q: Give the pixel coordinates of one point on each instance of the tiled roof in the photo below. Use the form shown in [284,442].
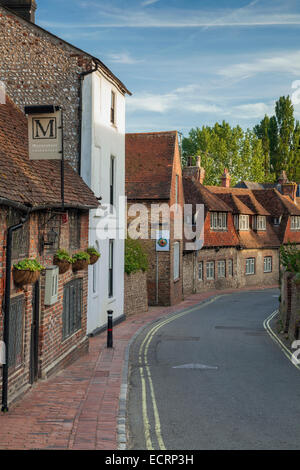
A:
[276,203]
[149,164]
[196,193]
[241,200]
[32,182]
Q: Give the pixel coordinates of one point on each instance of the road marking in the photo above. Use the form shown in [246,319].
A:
[195,366]
[144,363]
[275,338]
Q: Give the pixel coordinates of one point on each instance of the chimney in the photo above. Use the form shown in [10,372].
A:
[196,173]
[226,179]
[289,189]
[23,8]
[282,178]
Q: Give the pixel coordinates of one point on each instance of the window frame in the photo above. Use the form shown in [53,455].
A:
[113,107]
[200,271]
[72,313]
[176,251]
[210,267]
[252,262]
[218,221]
[230,267]
[111,269]
[270,259]
[260,223]
[295,223]
[244,222]
[221,269]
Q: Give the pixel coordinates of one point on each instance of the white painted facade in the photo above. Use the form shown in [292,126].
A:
[102,140]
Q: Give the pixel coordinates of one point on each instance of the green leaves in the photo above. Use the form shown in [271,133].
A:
[29,265]
[135,257]
[290,257]
[82,255]
[223,146]
[92,251]
[63,255]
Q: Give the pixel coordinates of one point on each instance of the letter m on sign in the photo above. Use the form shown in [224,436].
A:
[44,128]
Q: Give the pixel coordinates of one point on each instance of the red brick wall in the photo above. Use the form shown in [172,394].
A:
[135,293]
[54,353]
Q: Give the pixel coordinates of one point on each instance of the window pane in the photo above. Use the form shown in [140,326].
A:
[176,260]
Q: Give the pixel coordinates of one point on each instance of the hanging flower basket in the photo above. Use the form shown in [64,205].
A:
[94,255]
[22,278]
[26,272]
[63,260]
[80,261]
[63,265]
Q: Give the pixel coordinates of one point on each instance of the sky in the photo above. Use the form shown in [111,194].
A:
[188,63]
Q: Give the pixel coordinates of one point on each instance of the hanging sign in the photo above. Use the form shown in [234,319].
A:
[162,240]
[45,135]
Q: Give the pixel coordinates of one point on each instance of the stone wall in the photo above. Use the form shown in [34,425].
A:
[38,68]
[290,306]
[135,295]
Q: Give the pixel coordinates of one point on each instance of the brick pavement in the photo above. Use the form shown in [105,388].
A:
[78,408]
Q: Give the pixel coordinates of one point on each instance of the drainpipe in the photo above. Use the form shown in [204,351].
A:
[6,309]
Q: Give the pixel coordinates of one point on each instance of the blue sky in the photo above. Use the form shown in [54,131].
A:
[188,63]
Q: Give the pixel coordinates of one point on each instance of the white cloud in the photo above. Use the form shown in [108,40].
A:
[122,58]
[149,2]
[284,62]
[252,110]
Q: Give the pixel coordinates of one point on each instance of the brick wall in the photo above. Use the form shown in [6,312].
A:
[135,293]
[38,68]
[54,353]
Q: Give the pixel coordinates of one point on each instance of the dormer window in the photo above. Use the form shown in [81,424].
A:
[276,221]
[259,222]
[295,222]
[218,221]
[241,222]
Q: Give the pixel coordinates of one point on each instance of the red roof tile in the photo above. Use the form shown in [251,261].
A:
[33,182]
[149,164]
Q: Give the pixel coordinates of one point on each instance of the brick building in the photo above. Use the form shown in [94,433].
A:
[243,231]
[153,177]
[39,68]
[42,338]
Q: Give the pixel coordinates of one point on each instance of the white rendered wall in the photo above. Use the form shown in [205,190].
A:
[100,141]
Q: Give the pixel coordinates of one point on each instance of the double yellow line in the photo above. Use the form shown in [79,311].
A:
[275,338]
[146,378]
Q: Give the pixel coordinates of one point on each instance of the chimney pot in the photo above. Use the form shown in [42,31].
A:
[226,179]
[23,8]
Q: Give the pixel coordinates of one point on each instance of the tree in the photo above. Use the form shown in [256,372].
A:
[223,146]
[262,132]
[286,126]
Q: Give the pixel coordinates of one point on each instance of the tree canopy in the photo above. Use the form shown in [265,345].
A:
[255,155]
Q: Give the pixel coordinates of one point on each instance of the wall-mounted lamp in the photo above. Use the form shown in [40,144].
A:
[49,240]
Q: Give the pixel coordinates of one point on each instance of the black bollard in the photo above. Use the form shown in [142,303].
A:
[110,328]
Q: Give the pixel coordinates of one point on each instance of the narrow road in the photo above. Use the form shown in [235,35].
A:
[213,379]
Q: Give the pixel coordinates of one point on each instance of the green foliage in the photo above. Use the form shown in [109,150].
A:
[255,155]
[223,146]
[63,255]
[290,257]
[135,257]
[82,255]
[92,251]
[29,265]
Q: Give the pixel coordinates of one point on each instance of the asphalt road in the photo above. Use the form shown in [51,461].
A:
[236,389]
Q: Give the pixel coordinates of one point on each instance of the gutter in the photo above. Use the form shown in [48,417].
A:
[6,309]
